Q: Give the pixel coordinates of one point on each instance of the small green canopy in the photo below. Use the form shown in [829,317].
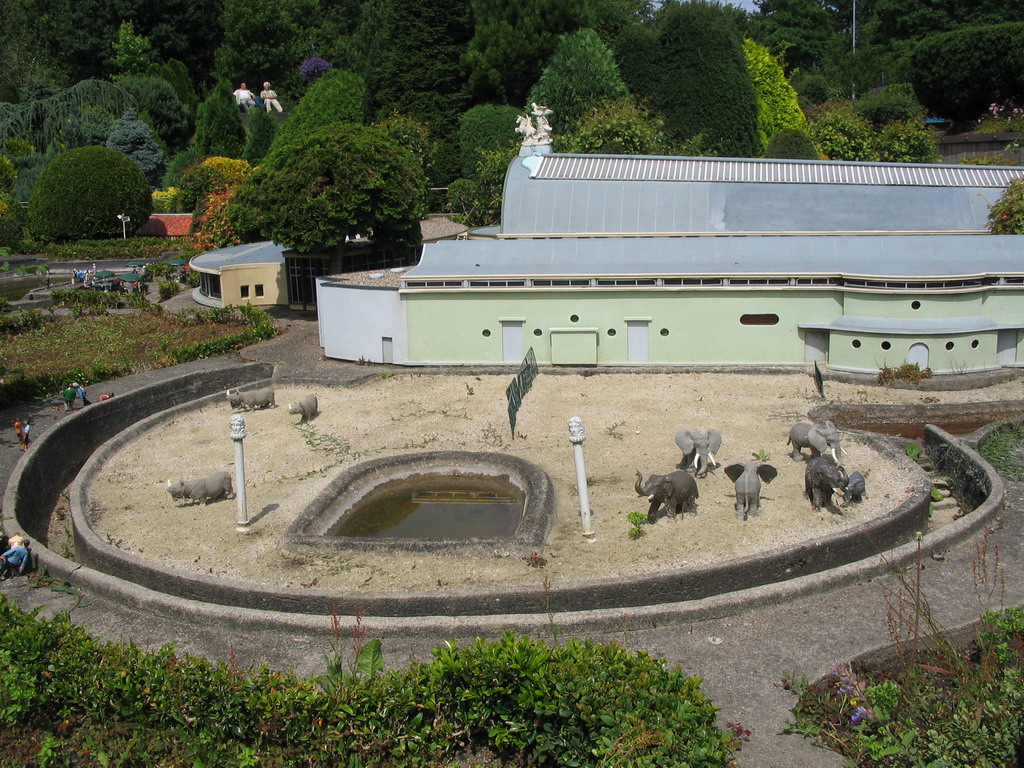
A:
[103,273]
[136,263]
[130,278]
[176,262]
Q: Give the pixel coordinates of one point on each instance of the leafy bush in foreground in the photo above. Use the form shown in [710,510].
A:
[575,704]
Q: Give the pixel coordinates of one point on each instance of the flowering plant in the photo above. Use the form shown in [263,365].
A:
[313,67]
[1001,117]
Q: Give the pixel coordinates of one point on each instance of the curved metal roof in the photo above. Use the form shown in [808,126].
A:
[764,171]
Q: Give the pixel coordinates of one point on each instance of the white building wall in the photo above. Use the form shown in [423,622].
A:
[356,321]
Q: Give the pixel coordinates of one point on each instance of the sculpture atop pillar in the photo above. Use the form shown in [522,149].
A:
[535,133]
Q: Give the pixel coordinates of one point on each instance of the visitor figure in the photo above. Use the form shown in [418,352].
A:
[269,96]
[21,429]
[69,395]
[15,558]
[244,98]
[80,392]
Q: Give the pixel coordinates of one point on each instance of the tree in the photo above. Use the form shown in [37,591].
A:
[958,74]
[484,128]
[337,97]
[131,137]
[705,88]
[905,141]
[580,76]
[618,128]
[155,97]
[262,129]
[477,201]
[840,133]
[511,41]
[777,104]
[1006,217]
[218,125]
[131,51]
[800,32]
[340,180]
[175,73]
[81,193]
[261,41]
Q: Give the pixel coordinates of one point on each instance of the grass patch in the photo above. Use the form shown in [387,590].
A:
[1004,450]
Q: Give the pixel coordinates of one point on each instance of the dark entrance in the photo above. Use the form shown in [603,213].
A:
[302,274]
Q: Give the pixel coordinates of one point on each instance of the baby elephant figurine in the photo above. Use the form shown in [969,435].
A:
[821,478]
[699,449]
[855,488]
[747,477]
[677,491]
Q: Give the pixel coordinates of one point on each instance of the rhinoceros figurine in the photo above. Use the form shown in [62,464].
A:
[204,489]
[306,408]
[247,401]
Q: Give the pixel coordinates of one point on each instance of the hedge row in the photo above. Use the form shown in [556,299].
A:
[576,704]
[113,248]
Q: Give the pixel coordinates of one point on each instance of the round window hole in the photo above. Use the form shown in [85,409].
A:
[486,333]
[915,305]
[538,332]
[856,343]
[974,344]
[664,331]
[611,331]
[949,345]
[886,345]
[574,318]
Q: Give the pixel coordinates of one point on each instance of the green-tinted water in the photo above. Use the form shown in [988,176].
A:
[14,288]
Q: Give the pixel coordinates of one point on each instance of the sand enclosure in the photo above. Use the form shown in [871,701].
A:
[630,421]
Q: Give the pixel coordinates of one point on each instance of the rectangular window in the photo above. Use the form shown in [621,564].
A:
[259,289]
[245,291]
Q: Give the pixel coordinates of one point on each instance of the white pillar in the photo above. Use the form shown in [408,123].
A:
[238,435]
[576,436]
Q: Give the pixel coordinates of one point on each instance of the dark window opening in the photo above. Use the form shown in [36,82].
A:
[245,291]
[765,319]
[259,289]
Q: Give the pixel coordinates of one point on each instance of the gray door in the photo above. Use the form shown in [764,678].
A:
[511,341]
[387,352]
[918,353]
[1006,347]
[637,341]
[815,344]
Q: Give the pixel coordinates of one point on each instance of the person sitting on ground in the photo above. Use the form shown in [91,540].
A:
[243,97]
[14,559]
[269,96]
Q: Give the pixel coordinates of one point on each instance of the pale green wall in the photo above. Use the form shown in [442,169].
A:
[871,356]
[900,305]
[703,326]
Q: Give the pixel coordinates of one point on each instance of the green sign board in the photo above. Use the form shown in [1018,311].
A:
[519,386]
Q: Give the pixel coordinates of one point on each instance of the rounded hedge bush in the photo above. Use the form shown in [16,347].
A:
[81,193]
[793,144]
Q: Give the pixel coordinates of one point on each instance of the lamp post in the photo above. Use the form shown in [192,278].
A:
[238,435]
[576,436]
[124,219]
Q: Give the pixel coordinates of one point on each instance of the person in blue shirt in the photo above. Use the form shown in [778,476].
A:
[15,558]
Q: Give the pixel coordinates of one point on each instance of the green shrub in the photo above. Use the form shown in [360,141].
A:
[11,232]
[484,127]
[1006,217]
[168,289]
[114,248]
[840,133]
[793,144]
[575,704]
[81,193]
[894,103]
[8,175]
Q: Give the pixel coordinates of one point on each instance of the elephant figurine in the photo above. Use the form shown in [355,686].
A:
[699,449]
[821,478]
[818,438]
[855,488]
[677,491]
[748,476]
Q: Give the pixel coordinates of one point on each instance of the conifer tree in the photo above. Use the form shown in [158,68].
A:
[219,129]
[262,129]
[132,138]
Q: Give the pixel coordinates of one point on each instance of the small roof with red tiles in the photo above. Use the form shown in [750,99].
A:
[166,225]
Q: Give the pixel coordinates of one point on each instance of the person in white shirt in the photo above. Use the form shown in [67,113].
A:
[243,97]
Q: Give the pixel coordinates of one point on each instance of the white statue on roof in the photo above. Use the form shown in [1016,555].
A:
[535,135]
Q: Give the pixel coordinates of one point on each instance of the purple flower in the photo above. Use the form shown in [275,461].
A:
[857,714]
[313,67]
